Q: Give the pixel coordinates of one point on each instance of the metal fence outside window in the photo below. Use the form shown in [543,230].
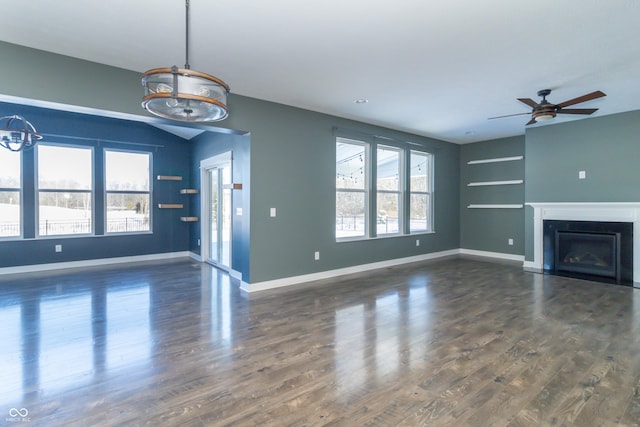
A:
[77,226]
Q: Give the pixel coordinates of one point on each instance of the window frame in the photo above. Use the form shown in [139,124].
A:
[366,191]
[107,192]
[400,191]
[429,193]
[405,149]
[38,191]
[20,192]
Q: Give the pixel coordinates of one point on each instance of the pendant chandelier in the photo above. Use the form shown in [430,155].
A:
[17,134]
[185,95]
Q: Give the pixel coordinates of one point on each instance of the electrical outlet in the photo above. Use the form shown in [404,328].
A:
[417,242]
[58,248]
[317,255]
[273,212]
[198,242]
[510,242]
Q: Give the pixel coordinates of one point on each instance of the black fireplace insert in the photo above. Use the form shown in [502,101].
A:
[594,250]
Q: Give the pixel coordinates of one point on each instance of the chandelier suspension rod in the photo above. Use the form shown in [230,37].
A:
[186,65]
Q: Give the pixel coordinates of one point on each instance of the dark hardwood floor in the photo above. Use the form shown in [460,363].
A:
[450,342]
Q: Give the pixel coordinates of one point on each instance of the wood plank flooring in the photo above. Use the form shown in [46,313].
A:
[451,342]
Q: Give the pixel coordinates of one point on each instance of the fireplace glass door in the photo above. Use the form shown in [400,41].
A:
[588,253]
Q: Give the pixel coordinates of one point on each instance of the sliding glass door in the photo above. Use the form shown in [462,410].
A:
[217,209]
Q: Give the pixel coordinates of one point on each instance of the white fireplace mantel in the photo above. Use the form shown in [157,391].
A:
[586,211]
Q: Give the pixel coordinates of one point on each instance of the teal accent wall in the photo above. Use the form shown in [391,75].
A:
[490,229]
[607,148]
[170,157]
[292,165]
[210,144]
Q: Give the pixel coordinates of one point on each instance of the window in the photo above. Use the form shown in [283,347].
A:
[396,194]
[9,193]
[420,192]
[128,197]
[65,190]
[388,190]
[351,188]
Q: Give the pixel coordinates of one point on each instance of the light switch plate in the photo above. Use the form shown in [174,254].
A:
[273,212]
[582,174]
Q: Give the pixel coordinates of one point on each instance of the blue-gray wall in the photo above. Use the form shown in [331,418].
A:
[210,144]
[291,168]
[170,157]
[607,148]
[490,229]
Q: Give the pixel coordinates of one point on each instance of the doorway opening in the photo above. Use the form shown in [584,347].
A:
[216,209]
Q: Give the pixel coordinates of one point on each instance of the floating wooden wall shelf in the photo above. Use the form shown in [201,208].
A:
[170,205]
[169,178]
[189,218]
[189,191]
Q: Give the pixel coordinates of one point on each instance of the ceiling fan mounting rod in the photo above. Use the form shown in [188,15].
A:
[543,93]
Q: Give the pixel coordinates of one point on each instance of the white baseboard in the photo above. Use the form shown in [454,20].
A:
[235,274]
[269,284]
[486,254]
[288,281]
[91,262]
[195,256]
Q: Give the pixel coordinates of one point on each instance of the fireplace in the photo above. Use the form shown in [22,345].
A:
[594,250]
[602,212]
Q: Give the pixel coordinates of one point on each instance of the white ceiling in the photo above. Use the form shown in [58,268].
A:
[437,68]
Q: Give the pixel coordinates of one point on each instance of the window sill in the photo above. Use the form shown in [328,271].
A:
[384,236]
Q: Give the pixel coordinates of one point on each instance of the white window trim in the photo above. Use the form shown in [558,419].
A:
[91,191]
[107,192]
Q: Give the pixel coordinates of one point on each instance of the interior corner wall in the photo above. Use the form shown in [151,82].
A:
[489,230]
[605,147]
[208,145]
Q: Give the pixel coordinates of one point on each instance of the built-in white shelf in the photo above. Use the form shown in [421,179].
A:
[482,184]
[498,159]
[515,206]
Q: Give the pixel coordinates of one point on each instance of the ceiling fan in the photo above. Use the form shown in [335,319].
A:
[547,111]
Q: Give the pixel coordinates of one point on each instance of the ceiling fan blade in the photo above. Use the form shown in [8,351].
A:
[530,102]
[508,115]
[577,111]
[530,122]
[583,98]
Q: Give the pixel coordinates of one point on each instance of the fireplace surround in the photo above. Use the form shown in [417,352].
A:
[620,212]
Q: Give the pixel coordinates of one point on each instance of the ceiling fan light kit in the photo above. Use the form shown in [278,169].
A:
[183,94]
